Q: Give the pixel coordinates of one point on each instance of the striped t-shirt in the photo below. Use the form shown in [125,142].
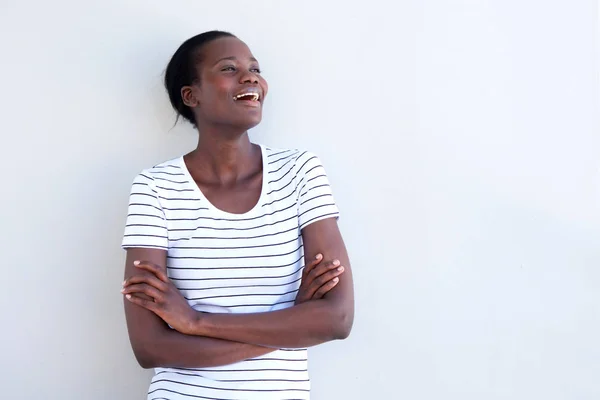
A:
[233,263]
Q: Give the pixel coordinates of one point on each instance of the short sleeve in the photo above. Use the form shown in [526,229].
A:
[315,197]
[146,224]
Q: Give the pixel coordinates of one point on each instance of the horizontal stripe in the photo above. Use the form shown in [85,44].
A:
[283,158]
[145,216]
[143,194]
[239,287]
[176,198]
[294,229]
[315,207]
[195,396]
[278,200]
[280,189]
[237,380]
[276,154]
[236,229]
[241,267]
[206,218]
[314,187]
[170,173]
[202,397]
[146,226]
[238,247]
[247,369]
[303,165]
[319,217]
[237,278]
[261,305]
[144,235]
[228,389]
[146,246]
[169,180]
[279,169]
[241,295]
[161,166]
[185,209]
[131,205]
[316,197]
[186,257]
[281,177]
[175,190]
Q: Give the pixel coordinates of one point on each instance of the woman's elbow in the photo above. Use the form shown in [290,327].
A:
[147,351]
[144,357]
[146,363]
[344,319]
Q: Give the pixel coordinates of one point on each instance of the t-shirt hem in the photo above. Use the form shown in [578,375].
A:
[335,215]
[143,246]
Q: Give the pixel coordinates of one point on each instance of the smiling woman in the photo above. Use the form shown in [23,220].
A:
[235,263]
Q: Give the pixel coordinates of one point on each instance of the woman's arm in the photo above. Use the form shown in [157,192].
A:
[303,325]
[156,345]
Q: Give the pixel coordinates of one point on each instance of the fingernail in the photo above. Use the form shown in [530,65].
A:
[122,290]
[136,262]
[336,262]
[319,256]
[128,296]
[336,280]
[124,282]
[341,269]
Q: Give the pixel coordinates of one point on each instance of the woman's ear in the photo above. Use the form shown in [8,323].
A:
[188,97]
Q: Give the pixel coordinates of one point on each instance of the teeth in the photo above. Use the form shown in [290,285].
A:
[255,96]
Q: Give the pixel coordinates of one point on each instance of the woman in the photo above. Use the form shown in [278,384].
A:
[235,263]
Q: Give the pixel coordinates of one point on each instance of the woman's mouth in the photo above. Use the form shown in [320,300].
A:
[247,96]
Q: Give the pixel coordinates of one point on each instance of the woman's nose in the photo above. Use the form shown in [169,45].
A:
[249,77]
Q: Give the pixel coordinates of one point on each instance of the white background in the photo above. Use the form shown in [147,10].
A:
[462,140]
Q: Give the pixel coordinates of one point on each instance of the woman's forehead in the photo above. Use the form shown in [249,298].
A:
[226,48]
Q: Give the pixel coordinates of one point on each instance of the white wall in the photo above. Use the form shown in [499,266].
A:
[462,139]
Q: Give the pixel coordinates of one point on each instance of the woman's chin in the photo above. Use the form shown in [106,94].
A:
[248,123]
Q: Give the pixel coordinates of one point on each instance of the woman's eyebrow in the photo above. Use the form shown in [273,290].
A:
[234,58]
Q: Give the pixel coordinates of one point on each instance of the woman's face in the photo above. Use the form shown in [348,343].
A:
[231,90]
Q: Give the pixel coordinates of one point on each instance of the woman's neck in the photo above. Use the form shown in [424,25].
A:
[223,159]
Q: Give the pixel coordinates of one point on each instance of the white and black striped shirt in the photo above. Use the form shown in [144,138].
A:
[233,263]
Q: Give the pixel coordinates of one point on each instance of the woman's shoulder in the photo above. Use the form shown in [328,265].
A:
[299,163]
[165,166]
[170,170]
[278,154]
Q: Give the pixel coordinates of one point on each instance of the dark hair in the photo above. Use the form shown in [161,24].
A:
[181,70]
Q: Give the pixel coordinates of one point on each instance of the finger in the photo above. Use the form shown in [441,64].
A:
[148,290]
[326,277]
[148,279]
[307,281]
[322,280]
[142,296]
[301,298]
[155,269]
[312,264]
[147,304]
[323,290]
[324,267]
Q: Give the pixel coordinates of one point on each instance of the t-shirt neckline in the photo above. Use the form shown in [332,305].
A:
[217,210]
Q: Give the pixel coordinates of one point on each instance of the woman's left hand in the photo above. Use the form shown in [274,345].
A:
[169,303]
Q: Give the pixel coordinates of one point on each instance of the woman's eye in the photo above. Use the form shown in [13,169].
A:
[255,70]
[229,68]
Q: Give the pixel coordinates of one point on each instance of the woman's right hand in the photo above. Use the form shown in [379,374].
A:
[318,278]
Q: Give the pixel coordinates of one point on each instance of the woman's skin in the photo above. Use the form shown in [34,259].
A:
[227,167]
